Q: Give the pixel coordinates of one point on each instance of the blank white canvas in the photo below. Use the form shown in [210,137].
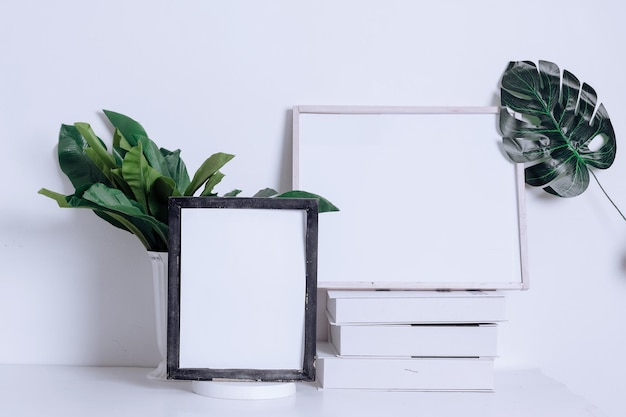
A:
[242,288]
[427,200]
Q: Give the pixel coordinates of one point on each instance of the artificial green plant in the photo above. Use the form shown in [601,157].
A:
[555,127]
[129,185]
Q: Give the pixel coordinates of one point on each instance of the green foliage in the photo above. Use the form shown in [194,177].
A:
[559,132]
[324,205]
[129,186]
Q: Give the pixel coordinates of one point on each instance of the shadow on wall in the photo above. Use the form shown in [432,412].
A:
[286,159]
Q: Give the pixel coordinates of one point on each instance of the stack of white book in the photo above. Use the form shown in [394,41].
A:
[410,340]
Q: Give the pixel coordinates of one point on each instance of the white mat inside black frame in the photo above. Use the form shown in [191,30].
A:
[242,289]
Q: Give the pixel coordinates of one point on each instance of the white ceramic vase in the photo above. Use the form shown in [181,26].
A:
[159,279]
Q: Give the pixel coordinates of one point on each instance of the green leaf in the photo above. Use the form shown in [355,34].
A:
[162,189]
[73,160]
[119,141]
[119,154]
[325,206]
[113,206]
[208,168]
[177,168]
[120,147]
[558,120]
[96,151]
[233,193]
[266,192]
[139,175]
[120,183]
[211,183]
[58,197]
[128,127]
[153,155]
[112,198]
[112,217]
[115,203]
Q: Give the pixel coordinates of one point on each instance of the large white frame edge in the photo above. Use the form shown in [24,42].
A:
[523,284]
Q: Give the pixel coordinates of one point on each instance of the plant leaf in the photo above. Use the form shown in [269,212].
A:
[126,224]
[113,201]
[558,120]
[233,193]
[96,151]
[162,189]
[325,206]
[120,183]
[113,206]
[177,168]
[58,197]
[209,167]
[73,160]
[211,183]
[128,127]
[120,147]
[153,155]
[139,175]
[266,192]
[119,141]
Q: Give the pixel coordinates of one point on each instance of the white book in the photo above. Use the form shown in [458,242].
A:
[403,374]
[473,340]
[413,307]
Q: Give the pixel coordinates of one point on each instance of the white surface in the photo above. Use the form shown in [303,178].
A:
[420,240]
[27,391]
[244,390]
[403,373]
[369,306]
[243,280]
[222,76]
[415,340]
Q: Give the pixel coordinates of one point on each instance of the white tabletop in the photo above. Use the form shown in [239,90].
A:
[91,391]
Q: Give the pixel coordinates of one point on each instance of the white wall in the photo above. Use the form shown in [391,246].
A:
[207,77]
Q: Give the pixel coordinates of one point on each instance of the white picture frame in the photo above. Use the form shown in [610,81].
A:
[427,198]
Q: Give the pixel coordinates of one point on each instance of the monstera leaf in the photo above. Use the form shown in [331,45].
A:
[554,126]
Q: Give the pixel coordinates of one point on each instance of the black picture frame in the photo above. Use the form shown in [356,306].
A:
[182,279]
